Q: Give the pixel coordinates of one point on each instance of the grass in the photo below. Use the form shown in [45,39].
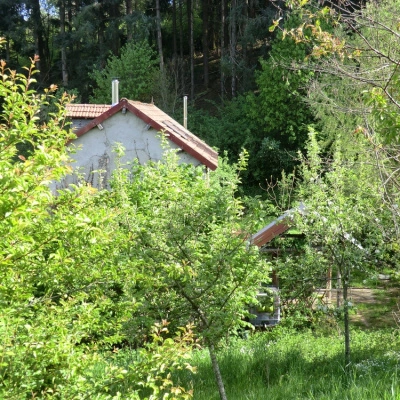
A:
[290,365]
[287,364]
[378,312]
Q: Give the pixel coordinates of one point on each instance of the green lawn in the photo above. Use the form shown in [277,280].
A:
[289,365]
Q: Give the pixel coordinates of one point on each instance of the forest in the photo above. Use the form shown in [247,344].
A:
[145,290]
[217,53]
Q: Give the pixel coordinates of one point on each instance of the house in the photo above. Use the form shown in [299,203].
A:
[136,126]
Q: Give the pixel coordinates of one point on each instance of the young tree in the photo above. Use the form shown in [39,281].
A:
[343,217]
[136,70]
[362,53]
[187,233]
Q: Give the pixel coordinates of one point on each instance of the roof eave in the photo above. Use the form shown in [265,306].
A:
[211,162]
[98,120]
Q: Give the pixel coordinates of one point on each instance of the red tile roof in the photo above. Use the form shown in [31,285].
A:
[153,116]
[86,110]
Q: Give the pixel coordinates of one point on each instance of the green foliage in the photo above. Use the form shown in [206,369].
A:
[280,108]
[188,236]
[136,70]
[231,130]
[341,220]
[81,270]
[143,373]
[237,126]
[272,124]
[62,273]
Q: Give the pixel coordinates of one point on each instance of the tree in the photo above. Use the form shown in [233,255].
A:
[186,231]
[190,23]
[272,123]
[159,37]
[136,70]
[64,68]
[343,218]
[362,53]
[11,25]
[62,271]
[205,39]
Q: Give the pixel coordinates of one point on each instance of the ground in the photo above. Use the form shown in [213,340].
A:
[376,307]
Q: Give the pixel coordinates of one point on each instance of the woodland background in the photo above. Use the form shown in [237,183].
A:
[219,53]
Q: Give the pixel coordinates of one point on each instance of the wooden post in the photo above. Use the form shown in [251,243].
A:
[329,285]
[338,288]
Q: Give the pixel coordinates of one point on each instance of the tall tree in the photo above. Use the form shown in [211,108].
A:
[363,52]
[181,59]
[232,44]
[223,44]
[190,17]
[64,67]
[128,12]
[206,24]
[159,36]
[41,47]
[342,216]
[174,33]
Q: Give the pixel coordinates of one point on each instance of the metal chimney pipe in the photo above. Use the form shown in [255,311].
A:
[115,91]
[185,111]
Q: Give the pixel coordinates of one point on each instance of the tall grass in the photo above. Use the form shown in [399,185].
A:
[289,365]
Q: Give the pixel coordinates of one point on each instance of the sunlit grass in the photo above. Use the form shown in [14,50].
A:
[290,365]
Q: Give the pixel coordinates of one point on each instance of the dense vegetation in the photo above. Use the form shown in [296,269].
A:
[107,294]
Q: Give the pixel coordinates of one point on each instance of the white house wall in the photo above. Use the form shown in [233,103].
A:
[94,149]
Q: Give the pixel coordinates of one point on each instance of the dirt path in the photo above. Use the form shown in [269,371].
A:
[373,308]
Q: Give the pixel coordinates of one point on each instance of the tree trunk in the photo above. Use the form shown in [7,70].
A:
[64,69]
[115,15]
[38,32]
[345,285]
[232,47]
[69,14]
[223,43]
[217,372]
[181,62]
[205,42]
[246,77]
[212,25]
[191,46]
[174,41]
[329,284]
[128,11]
[159,37]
